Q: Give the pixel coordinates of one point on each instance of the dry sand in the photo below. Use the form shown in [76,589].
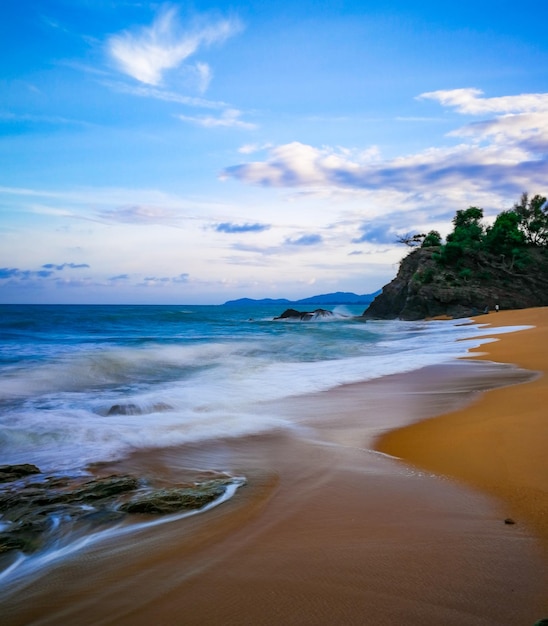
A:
[499,443]
[327,531]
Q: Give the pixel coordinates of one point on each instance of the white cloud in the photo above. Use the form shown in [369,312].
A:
[164,94]
[204,75]
[503,155]
[250,148]
[147,53]
[470,101]
[228,119]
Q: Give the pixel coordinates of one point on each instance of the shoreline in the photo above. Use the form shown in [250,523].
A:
[497,443]
[326,529]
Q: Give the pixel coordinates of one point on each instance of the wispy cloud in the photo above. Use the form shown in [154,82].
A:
[119,278]
[10,273]
[152,281]
[47,270]
[250,148]
[377,232]
[470,101]
[147,53]
[166,95]
[305,240]
[229,227]
[52,266]
[228,119]
[56,120]
[140,214]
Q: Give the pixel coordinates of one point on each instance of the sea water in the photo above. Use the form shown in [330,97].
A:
[83,384]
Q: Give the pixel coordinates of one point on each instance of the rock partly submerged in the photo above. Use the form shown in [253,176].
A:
[304,316]
[35,507]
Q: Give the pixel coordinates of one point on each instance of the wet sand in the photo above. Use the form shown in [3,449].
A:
[499,443]
[326,530]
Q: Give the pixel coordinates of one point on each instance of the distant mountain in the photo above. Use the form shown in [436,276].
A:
[245,301]
[339,297]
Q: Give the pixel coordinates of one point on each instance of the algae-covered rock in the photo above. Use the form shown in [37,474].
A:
[35,508]
[165,501]
[10,473]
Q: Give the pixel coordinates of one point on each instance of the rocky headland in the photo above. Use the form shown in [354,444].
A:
[424,289]
[478,269]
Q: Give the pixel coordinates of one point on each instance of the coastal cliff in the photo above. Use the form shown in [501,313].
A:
[479,268]
[423,288]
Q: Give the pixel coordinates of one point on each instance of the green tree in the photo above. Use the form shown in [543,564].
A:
[468,229]
[533,217]
[505,239]
[467,235]
[432,239]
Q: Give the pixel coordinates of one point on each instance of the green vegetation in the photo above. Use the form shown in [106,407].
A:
[480,265]
[473,247]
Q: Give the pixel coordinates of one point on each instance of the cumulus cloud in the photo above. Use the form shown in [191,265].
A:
[228,227]
[502,155]
[147,53]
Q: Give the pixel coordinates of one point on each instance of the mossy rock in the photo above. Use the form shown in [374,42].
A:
[165,501]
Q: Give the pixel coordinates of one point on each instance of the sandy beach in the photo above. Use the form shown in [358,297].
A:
[497,444]
[328,530]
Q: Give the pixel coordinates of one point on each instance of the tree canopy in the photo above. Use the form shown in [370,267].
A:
[512,234]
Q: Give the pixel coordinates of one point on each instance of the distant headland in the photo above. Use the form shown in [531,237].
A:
[338,297]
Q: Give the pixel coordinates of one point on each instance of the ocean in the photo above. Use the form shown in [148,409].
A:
[82,384]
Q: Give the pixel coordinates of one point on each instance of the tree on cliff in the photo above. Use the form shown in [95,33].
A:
[533,218]
[467,235]
[478,266]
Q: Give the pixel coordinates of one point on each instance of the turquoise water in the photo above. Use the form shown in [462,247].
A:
[80,384]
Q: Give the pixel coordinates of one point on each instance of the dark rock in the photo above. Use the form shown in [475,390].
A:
[9,473]
[161,407]
[509,521]
[133,409]
[34,510]
[105,487]
[124,409]
[424,289]
[304,315]
[165,501]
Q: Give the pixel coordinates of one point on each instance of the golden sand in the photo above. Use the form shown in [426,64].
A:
[499,443]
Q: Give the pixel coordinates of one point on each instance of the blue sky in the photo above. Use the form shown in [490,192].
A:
[203,151]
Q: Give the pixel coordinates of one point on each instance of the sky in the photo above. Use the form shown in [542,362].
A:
[198,152]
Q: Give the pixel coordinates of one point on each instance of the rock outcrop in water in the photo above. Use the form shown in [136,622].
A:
[35,507]
[304,316]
